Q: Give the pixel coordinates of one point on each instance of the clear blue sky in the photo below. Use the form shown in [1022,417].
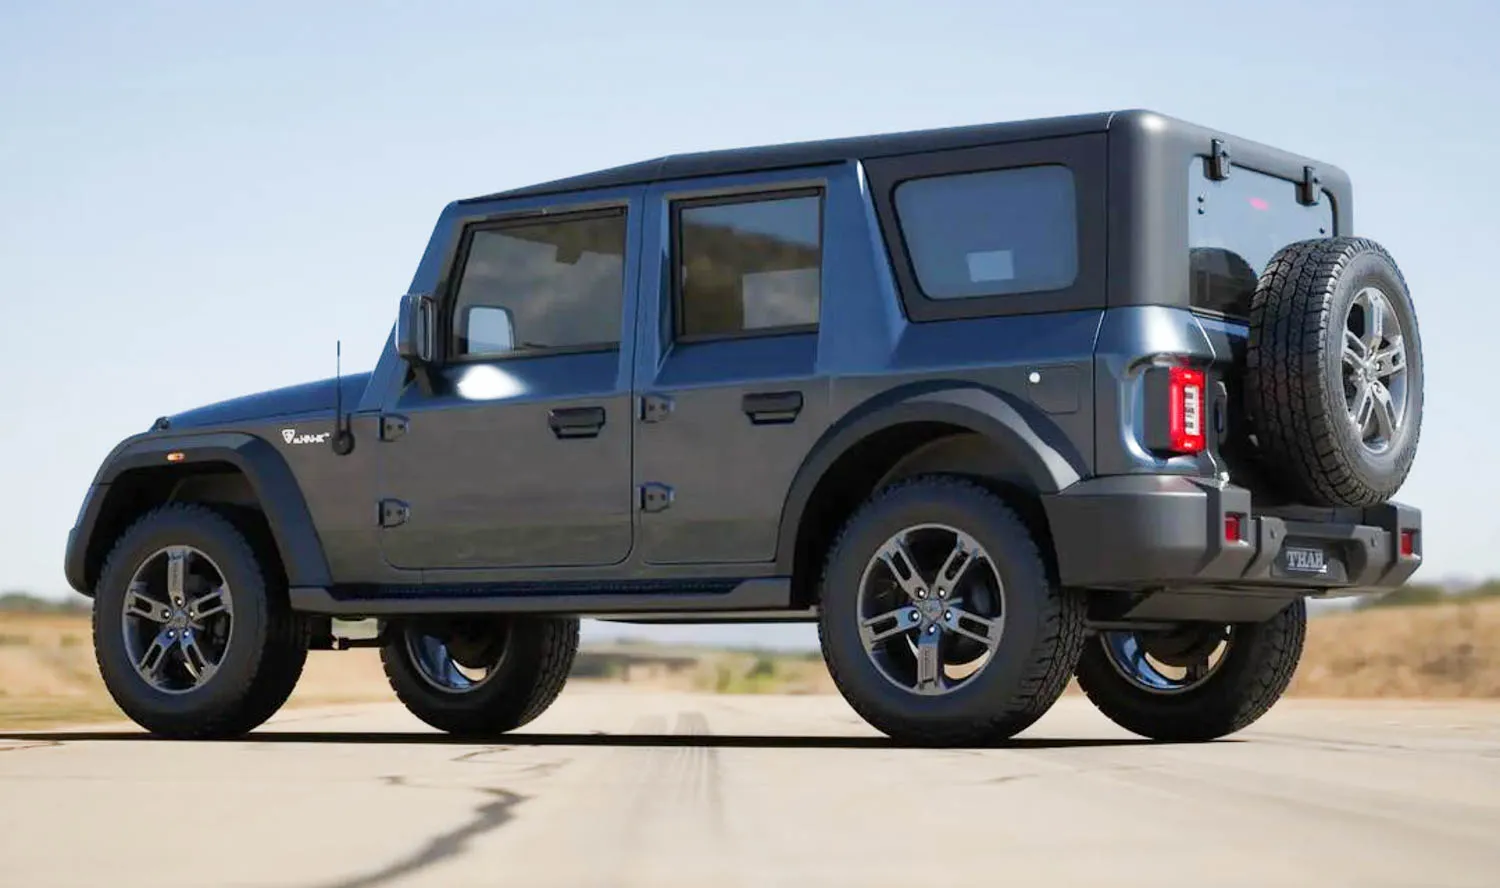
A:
[199,198]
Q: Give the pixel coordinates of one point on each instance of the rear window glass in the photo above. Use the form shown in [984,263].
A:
[1236,226]
[991,233]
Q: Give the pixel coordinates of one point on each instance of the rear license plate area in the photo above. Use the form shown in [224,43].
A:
[1310,560]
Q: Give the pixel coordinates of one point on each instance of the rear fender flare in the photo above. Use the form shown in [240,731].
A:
[1045,460]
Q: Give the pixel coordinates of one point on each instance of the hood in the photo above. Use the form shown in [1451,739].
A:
[307,397]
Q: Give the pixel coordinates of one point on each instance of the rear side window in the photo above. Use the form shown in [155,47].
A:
[535,287]
[991,233]
[749,266]
[1236,225]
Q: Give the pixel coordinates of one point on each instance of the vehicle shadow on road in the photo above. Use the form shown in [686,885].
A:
[707,741]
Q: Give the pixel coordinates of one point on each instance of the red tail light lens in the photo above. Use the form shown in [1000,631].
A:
[1185,410]
[1232,528]
[1408,543]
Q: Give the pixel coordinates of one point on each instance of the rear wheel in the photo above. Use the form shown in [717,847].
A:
[939,621]
[1197,682]
[193,635]
[480,677]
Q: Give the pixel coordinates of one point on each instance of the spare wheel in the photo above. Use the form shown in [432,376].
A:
[1334,372]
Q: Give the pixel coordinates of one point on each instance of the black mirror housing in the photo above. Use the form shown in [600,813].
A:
[416,329]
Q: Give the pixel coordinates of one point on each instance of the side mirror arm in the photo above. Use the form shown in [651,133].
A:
[416,337]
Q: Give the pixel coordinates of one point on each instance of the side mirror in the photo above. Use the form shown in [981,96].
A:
[488,330]
[416,339]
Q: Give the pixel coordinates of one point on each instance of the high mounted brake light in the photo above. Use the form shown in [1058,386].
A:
[1185,410]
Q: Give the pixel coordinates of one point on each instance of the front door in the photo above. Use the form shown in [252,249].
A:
[517,454]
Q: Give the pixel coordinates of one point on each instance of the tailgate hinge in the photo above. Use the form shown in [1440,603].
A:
[1218,161]
[1310,190]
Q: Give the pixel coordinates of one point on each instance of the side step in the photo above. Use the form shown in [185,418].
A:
[682,600]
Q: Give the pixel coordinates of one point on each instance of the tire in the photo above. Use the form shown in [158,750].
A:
[528,665]
[1298,383]
[1254,672]
[1037,648]
[264,642]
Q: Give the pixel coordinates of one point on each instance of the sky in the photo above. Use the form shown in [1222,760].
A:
[200,198]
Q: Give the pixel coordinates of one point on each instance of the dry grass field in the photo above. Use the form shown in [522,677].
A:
[1450,650]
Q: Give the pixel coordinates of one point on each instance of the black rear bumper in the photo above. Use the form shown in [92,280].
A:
[1164,531]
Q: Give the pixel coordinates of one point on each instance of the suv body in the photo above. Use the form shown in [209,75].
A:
[659,392]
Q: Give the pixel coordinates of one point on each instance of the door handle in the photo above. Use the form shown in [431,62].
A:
[765,408]
[576,422]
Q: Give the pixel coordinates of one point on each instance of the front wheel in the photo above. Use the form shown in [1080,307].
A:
[479,677]
[194,637]
[1196,683]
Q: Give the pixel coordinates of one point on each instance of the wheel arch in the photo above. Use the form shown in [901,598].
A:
[954,428]
[229,469]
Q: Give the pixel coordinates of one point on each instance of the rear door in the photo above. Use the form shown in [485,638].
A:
[732,397]
[518,455]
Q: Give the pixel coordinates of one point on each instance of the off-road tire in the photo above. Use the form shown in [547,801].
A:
[268,645]
[1037,652]
[1257,668]
[538,658]
[1293,373]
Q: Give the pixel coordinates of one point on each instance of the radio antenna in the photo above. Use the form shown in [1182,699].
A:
[343,434]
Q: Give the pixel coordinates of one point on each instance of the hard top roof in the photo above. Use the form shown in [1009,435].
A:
[769,157]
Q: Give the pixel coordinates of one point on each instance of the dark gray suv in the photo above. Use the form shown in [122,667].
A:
[1107,396]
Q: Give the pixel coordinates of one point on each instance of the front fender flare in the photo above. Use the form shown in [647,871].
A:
[270,477]
[1042,456]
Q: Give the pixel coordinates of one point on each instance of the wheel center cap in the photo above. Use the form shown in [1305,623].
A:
[930,608]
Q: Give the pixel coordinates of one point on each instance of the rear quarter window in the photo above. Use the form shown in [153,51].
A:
[1236,225]
[991,233]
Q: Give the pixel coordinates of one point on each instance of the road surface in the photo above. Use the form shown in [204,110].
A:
[625,788]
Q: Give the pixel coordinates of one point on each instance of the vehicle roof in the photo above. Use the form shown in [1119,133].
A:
[795,154]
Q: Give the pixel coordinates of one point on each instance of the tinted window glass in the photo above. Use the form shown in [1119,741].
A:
[991,233]
[749,266]
[542,286]
[1236,226]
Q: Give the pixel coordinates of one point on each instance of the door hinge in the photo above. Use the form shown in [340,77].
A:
[393,512]
[392,427]
[655,408]
[655,497]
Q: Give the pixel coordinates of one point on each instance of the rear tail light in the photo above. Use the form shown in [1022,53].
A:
[1408,543]
[1185,410]
[1232,528]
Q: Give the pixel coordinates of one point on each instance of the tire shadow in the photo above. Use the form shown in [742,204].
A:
[706,741]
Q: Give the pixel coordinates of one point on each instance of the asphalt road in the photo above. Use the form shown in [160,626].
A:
[618,788]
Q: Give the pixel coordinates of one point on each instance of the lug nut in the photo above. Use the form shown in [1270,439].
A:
[171,634]
[915,616]
[921,593]
[931,629]
[947,615]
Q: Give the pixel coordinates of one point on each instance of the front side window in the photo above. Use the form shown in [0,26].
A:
[991,233]
[541,286]
[749,266]
[1236,225]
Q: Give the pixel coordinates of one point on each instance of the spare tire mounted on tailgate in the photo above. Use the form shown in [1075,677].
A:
[1334,371]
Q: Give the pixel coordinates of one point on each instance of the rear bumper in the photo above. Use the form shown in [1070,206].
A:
[1154,531]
